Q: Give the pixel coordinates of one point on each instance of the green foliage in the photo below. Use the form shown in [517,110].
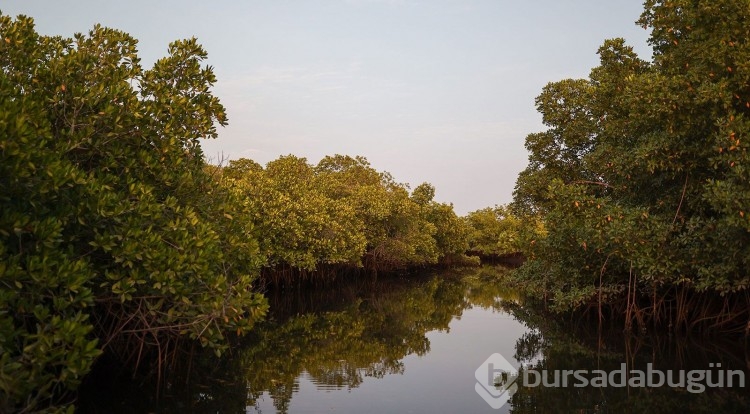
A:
[494,231]
[301,226]
[423,194]
[397,235]
[451,233]
[642,176]
[344,212]
[113,232]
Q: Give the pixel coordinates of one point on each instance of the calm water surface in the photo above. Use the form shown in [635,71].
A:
[412,345]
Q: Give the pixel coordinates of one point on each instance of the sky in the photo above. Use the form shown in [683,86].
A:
[438,91]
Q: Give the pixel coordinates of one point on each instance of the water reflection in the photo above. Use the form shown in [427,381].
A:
[374,327]
[552,345]
[412,345]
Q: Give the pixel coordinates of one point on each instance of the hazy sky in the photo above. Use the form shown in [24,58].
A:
[429,90]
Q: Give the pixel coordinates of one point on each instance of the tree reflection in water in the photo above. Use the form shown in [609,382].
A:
[371,330]
[552,344]
[337,336]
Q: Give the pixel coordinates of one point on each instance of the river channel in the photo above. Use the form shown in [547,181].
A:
[422,344]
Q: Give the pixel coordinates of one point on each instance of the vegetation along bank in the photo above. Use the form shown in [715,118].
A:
[118,237]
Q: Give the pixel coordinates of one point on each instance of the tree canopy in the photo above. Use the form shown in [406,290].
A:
[641,176]
[345,213]
[114,233]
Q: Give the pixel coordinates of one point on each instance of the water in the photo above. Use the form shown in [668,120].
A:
[396,346]
[412,345]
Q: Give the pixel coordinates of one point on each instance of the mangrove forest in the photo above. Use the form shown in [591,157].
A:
[122,246]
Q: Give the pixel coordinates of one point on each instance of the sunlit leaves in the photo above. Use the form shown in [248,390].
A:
[344,212]
[494,231]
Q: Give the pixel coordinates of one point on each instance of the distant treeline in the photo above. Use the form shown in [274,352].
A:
[342,215]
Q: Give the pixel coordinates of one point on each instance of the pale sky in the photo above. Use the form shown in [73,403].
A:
[429,90]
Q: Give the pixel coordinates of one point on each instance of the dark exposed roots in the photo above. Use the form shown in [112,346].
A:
[678,309]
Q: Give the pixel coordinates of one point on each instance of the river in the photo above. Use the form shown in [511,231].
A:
[423,344]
